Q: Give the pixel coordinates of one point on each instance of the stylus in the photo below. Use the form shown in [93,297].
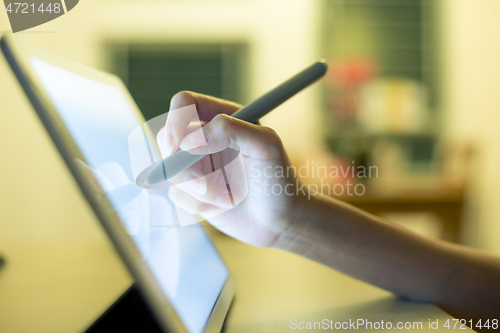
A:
[181,160]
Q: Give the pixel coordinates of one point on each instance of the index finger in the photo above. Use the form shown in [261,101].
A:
[181,115]
[180,122]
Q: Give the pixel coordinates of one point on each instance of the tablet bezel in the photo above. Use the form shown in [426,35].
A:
[18,54]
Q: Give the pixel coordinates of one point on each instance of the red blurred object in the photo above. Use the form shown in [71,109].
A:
[344,80]
[352,72]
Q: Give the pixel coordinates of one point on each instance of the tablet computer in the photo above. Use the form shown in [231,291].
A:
[90,115]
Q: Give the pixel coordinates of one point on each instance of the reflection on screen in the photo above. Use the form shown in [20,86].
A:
[100,120]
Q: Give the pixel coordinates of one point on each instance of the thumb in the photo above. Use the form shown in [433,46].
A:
[253,140]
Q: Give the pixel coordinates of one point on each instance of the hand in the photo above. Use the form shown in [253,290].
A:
[262,216]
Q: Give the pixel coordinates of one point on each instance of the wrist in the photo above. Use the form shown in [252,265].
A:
[300,234]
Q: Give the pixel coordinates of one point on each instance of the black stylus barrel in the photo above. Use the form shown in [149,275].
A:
[272,99]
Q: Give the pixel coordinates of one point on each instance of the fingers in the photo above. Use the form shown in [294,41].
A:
[169,145]
[191,190]
[214,191]
[180,122]
[253,140]
[192,205]
[190,109]
[185,201]
[192,179]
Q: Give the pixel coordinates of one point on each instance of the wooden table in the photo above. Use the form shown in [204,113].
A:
[447,206]
[63,286]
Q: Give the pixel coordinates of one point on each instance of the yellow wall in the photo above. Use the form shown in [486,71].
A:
[471,87]
[38,198]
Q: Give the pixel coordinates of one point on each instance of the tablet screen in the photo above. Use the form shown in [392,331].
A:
[100,120]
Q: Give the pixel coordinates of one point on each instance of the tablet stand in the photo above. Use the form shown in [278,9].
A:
[129,313]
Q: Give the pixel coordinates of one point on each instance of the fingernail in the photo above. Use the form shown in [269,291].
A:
[195,139]
[196,184]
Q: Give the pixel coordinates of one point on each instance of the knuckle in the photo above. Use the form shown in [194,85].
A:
[223,122]
[271,132]
[183,98]
[273,140]
[183,94]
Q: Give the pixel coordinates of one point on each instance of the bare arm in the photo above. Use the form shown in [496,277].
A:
[463,281]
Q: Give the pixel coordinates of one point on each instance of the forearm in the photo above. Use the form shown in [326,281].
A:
[391,257]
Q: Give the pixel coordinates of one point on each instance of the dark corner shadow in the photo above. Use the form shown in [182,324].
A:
[2,262]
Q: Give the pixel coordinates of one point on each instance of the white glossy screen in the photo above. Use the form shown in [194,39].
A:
[100,120]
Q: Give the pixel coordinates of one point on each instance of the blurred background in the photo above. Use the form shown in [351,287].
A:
[413,88]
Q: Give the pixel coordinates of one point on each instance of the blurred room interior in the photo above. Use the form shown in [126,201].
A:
[413,88]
